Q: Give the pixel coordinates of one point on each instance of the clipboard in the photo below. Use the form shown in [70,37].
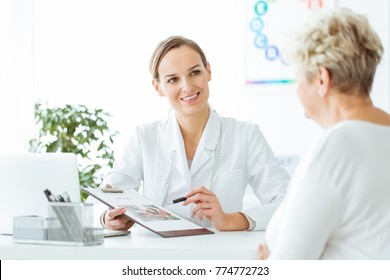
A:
[147,213]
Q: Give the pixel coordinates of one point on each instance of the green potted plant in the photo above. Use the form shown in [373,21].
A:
[76,129]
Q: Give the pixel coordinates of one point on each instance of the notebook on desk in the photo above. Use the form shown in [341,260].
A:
[25,176]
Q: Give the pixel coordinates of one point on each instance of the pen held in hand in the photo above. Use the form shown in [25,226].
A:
[177,200]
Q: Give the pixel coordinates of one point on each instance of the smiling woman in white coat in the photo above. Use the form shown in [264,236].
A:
[196,153]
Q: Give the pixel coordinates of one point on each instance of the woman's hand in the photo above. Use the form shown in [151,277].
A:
[263,251]
[115,220]
[208,206]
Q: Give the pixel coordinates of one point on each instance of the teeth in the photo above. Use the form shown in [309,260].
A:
[189,97]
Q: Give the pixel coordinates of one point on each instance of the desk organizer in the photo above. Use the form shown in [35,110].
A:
[67,224]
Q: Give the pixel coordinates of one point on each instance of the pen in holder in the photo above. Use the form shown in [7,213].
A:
[71,221]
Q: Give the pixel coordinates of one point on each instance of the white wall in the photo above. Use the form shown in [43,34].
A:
[97,52]
[16,74]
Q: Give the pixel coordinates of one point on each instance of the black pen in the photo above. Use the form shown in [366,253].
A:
[49,195]
[177,200]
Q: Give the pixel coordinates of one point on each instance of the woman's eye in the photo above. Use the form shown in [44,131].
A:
[172,80]
[195,72]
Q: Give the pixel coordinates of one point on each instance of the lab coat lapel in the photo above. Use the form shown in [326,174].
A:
[207,143]
[176,149]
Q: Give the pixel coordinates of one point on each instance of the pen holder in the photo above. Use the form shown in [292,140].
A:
[66,224]
[72,222]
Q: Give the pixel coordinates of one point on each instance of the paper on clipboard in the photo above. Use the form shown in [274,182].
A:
[148,214]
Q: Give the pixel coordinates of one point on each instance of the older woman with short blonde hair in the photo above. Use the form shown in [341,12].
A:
[337,204]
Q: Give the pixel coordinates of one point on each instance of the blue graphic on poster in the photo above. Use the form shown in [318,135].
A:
[268,25]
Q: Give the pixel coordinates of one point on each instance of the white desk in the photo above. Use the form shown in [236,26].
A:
[142,244]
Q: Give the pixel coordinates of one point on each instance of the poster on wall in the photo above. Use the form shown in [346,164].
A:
[268,23]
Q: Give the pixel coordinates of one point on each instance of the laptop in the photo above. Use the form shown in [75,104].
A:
[24,177]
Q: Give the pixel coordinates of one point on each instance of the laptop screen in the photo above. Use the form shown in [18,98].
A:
[24,177]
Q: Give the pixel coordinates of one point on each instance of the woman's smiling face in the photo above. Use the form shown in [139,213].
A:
[184,81]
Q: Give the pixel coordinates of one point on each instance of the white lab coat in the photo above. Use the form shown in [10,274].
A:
[245,158]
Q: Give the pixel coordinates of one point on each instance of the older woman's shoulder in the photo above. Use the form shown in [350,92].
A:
[355,128]
[351,136]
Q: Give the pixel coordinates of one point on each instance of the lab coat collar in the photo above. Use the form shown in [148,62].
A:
[206,145]
[211,132]
[176,149]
